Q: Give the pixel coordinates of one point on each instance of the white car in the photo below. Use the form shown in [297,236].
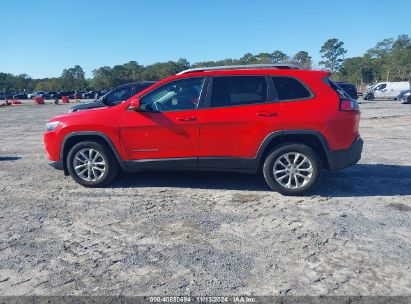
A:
[38,93]
[389,90]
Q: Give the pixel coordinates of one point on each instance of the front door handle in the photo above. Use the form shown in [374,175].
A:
[187,118]
[267,114]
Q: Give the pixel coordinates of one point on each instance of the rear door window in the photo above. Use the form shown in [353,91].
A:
[289,88]
[238,90]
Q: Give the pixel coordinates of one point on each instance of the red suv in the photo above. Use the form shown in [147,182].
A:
[288,122]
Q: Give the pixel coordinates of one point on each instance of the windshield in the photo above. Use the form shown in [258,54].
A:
[117,96]
[372,87]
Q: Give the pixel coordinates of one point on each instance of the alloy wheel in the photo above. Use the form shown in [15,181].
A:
[89,164]
[293,170]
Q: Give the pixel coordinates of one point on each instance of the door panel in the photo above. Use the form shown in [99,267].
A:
[167,124]
[381,91]
[150,135]
[237,116]
[237,131]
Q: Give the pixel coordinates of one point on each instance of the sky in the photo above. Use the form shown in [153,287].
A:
[43,37]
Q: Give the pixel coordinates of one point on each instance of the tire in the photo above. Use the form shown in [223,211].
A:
[370,97]
[291,181]
[101,166]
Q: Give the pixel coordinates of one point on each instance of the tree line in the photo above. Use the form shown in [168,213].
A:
[389,60]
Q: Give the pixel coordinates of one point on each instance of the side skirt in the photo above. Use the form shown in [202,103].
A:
[226,164]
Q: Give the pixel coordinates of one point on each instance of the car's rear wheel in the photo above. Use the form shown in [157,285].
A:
[292,169]
[91,164]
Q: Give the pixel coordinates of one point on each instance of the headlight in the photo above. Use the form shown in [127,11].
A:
[51,126]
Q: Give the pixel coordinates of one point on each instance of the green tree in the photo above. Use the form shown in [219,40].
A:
[381,50]
[357,70]
[332,53]
[134,71]
[400,59]
[390,59]
[302,58]
[279,57]
[7,82]
[264,58]
[102,78]
[162,70]
[40,86]
[22,82]
[248,58]
[73,78]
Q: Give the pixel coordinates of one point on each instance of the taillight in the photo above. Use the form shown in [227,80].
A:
[348,105]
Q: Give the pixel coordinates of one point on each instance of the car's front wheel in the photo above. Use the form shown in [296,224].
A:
[91,164]
[292,169]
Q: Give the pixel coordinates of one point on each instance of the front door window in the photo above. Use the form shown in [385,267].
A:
[177,95]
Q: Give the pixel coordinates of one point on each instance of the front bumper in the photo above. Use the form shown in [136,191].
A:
[346,158]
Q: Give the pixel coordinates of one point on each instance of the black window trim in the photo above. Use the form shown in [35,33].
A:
[312,95]
[201,101]
[271,94]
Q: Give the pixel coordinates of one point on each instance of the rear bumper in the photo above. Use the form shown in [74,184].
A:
[56,165]
[345,158]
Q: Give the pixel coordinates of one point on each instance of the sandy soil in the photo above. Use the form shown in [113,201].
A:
[205,233]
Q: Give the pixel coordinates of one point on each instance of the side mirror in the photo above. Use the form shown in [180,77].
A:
[135,104]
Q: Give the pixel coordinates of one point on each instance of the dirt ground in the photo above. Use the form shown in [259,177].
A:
[205,233]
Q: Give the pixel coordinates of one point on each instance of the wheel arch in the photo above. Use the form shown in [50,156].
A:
[74,138]
[313,139]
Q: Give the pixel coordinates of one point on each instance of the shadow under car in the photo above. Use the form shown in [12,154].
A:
[358,180]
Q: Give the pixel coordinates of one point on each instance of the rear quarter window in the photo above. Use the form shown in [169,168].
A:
[289,88]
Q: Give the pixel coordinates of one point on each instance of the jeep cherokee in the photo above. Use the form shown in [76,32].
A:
[287,122]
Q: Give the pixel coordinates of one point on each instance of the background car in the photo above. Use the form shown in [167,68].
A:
[49,95]
[102,93]
[349,88]
[115,96]
[20,96]
[76,95]
[5,95]
[369,93]
[404,96]
[38,93]
[90,95]
[63,93]
[386,90]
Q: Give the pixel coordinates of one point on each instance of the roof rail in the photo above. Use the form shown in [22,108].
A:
[244,66]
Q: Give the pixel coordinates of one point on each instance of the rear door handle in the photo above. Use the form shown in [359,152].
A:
[187,118]
[267,114]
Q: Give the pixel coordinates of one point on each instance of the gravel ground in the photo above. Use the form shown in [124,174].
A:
[205,233]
